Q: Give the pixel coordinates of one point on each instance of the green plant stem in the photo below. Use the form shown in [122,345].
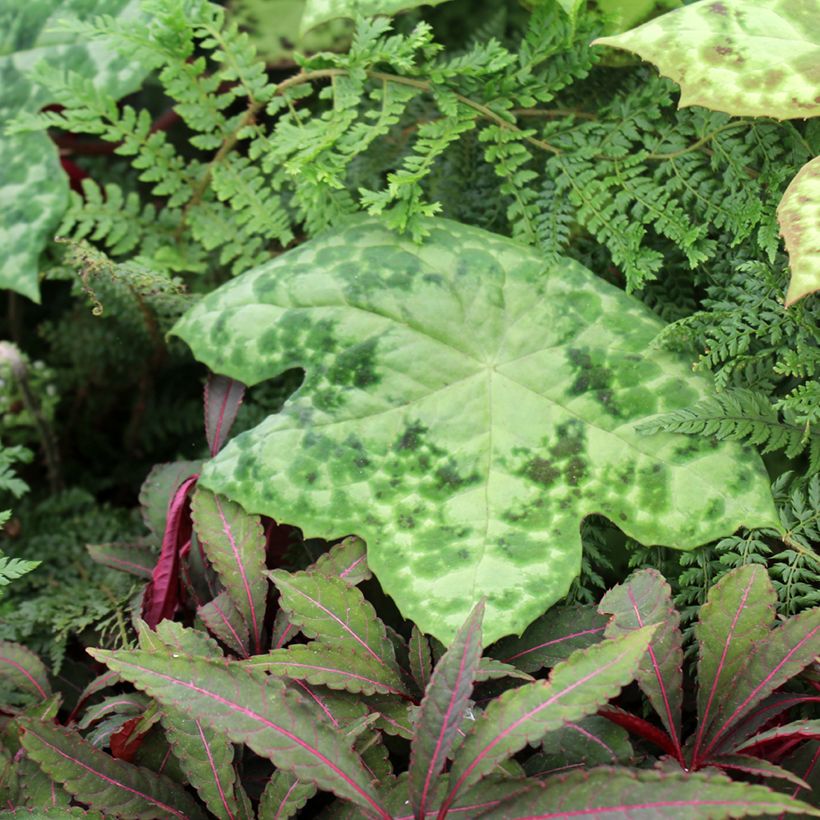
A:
[699,143]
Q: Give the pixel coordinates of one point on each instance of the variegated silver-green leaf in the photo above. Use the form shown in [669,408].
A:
[747,57]
[33,187]
[465,405]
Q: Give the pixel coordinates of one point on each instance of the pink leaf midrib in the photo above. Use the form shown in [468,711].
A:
[671,723]
[728,722]
[719,671]
[26,674]
[214,772]
[236,707]
[591,631]
[502,735]
[226,528]
[433,764]
[342,672]
[147,797]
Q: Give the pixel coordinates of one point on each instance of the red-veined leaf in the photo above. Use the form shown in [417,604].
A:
[619,792]
[337,708]
[346,560]
[760,716]
[552,638]
[224,621]
[806,729]
[330,666]
[235,545]
[23,670]
[421,660]
[223,397]
[255,709]
[135,559]
[175,636]
[739,610]
[442,710]
[491,669]
[329,609]
[39,791]
[590,741]
[645,598]
[284,796]
[101,682]
[130,704]
[772,661]
[756,767]
[805,763]
[162,592]
[100,781]
[576,687]
[395,717]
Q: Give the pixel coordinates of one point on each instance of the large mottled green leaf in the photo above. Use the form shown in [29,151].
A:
[249,707]
[465,405]
[747,57]
[611,793]
[799,216]
[33,187]
[100,781]
[321,11]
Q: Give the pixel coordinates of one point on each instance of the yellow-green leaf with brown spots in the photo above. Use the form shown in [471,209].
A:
[465,406]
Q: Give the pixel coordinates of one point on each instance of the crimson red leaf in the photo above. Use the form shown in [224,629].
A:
[162,593]
[639,726]
[123,745]
[223,397]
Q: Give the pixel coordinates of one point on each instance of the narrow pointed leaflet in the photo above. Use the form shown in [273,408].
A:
[442,711]
[575,688]
[102,782]
[738,612]
[251,708]
[465,406]
[223,398]
[645,598]
[235,545]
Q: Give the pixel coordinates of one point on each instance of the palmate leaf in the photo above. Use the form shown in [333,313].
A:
[576,688]
[33,187]
[609,792]
[799,217]
[645,598]
[102,782]
[464,407]
[249,707]
[738,612]
[235,545]
[713,48]
[442,710]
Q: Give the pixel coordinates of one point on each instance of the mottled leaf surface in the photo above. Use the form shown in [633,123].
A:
[465,405]
[799,216]
[645,598]
[747,57]
[33,187]
[612,793]
[317,12]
